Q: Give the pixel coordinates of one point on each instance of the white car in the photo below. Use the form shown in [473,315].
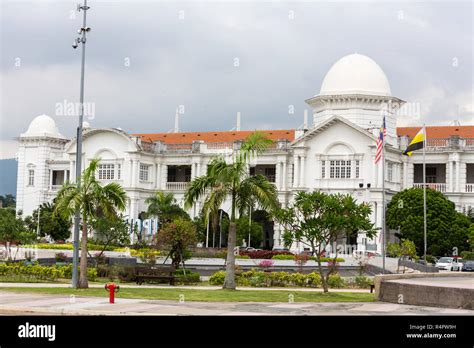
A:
[449,264]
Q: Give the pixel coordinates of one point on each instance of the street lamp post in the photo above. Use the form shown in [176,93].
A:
[77,217]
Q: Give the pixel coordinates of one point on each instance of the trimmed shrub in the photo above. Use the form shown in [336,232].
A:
[335,281]
[190,277]
[264,254]
[298,279]
[280,278]
[283,257]
[313,280]
[217,278]
[39,272]
[363,281]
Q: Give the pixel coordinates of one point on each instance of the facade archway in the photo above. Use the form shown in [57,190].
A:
[262,217]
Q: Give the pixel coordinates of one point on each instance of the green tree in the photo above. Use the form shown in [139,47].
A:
[110,231]
[446,228]
[51,223]
[317,219]
[230,179]
[13,231]
[176,238]
[243,228]
[8,201]
[164,206]
[92,200]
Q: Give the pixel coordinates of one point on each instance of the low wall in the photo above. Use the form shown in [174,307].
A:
[453,295]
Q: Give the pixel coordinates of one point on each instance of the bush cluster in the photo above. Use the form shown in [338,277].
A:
[191,277]
[69,246]
[363,281]
[256,278]
[264,254]
[39,272]
[467,255]
[313,258]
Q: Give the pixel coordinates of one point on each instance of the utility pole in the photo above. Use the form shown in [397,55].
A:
[77,217]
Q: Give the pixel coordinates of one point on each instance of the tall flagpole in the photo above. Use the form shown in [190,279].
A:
[383,203]
[424,194]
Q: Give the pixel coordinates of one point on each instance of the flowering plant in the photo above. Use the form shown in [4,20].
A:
[266,263]
[60,257]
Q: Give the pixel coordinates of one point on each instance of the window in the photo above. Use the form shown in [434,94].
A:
[106,171]
[144,172]
[340,169]
[357,169]
[390,171]
[31,177]
[270,174]
[323,169]
[431,175]
[119,171]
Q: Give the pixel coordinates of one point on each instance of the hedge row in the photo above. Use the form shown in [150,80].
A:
[282,279]
[69,246]
[264,254]
[39,272]
[292,257]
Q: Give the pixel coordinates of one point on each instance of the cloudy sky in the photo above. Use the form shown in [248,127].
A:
[217,58]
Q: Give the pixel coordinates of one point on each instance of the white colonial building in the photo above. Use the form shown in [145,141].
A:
[335,154]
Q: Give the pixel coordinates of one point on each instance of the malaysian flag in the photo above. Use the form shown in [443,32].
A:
[380,140]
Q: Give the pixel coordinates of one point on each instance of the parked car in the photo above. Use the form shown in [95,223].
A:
[281,249]
[449,264]
[468,266]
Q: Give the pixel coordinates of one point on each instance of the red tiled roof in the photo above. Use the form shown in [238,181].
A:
[438,132]
[213,137]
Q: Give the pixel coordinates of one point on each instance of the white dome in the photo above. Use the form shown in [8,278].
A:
[43,125]
[355,74]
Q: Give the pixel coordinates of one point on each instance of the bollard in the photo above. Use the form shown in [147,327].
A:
[112,288]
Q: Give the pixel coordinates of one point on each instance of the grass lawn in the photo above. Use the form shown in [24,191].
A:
[210,295]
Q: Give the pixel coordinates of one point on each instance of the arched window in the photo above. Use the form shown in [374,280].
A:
[340,162]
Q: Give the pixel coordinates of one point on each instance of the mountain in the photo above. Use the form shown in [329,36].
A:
[8,172]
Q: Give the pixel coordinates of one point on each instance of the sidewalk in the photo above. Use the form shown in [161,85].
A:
[14,303]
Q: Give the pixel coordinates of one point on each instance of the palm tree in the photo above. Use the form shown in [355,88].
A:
[232,181]
[164,206]
[91,199]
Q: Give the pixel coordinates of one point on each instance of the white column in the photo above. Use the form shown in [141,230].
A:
[405,175]
[450,176]
[375,168]
[296,172]
[134,178]
[130,172]
[50,171]
[277,175]
[72,171]
[302,172]
[158,175]
[284,176]
[164,176]
[458,175]
[199,169]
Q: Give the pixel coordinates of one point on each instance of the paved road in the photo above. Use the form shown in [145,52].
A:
[12,303]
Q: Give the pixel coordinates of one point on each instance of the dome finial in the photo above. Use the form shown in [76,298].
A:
[355,74]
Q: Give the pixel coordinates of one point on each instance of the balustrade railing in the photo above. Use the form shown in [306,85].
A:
[434,186]
[177,186]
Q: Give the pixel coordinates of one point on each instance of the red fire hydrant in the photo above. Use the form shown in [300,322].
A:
[112,289]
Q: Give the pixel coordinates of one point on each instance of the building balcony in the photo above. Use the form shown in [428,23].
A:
[177,186]
[441,187]
[469,188]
